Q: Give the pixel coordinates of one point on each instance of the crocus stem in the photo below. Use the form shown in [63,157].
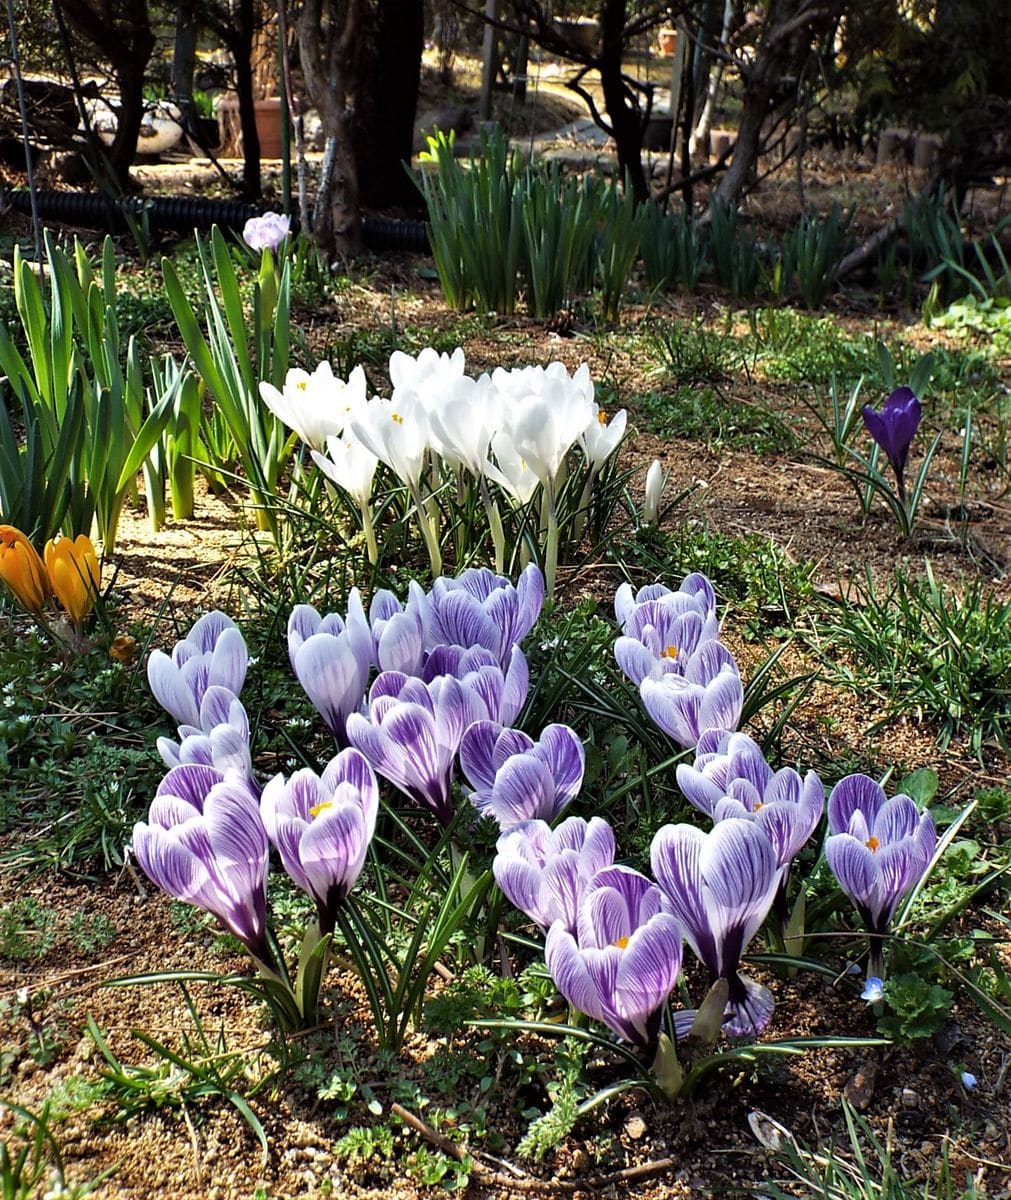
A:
[495,524]
[551,542]
[582,516]
[875,957]
[428,534]
[369,530]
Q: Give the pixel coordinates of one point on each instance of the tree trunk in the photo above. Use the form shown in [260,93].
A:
[771,79]
[387,73]
[327,31]
[124,38]
[622,113]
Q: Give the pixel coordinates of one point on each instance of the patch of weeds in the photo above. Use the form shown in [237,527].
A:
[798,347]
[750,573]
[202,1068]
[918,1008]
[75,1094]
[432,1168]
[548,1129]
[942,655]
[364,1146]
[695,352]
[77,747]
[40,1020]
[860,1168]
[27,929]
[705,415]
[91,931]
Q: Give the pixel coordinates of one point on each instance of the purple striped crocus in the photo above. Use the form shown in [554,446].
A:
[321,827]
[480,608]
[412,734]
[720,886]
[544,871]
[332,659]
[878,849]
[516,779]
[730,778]
[662,629]
[221,740]
[623,960]
[708,695]
[212,653]
[204,843]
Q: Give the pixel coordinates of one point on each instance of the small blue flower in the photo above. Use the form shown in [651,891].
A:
[968,1080]
[874,990]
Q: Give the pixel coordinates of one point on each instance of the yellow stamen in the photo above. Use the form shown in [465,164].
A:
[302,385]
[872,843]
[670,652]
[318,808]
[757,806]
[397,417]
[621,943]
[602,417]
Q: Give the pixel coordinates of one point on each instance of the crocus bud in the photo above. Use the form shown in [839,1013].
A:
[22,570]
[266,232]
[74,573]
[654,490]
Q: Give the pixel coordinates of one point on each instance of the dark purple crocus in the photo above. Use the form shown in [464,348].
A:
[221,740]
[709,695]
[877,849]
[322,827]
[893,428]
[204,844]
[720,886]
[412,734]
[545,871]
[517,779]
[212,653]
[730,778]
[623,960]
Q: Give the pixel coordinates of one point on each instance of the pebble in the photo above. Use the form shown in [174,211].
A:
[635,1126]
[909,1098]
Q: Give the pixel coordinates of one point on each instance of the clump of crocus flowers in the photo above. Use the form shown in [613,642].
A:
[409,690]
[68,570]
[507,442]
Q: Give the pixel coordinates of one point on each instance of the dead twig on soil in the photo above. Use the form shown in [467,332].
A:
[522,1182]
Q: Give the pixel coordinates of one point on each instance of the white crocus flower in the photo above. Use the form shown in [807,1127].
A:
[350,465]
[655,482]
[601,437]
[510,471]
[547,426]
[397,434]
[464,419]
[429,371]
[316,406]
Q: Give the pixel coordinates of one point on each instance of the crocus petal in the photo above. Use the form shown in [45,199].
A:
[854,793]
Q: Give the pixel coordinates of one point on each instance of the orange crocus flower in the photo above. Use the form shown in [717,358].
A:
[74,573]
[22,570]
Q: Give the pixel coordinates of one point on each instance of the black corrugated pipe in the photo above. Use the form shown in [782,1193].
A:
[183,213]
